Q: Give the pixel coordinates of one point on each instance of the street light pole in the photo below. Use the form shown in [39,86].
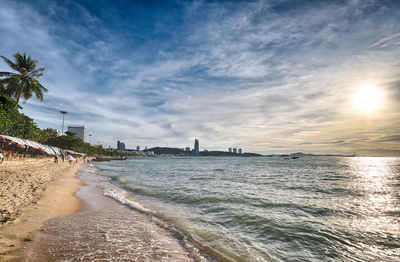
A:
[62,130]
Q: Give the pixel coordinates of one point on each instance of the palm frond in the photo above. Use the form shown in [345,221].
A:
[26,63]
[23,84]
[37,73]
[10,63]
[39,92]
[9,74]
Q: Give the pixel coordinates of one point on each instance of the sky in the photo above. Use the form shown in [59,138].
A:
[266,76]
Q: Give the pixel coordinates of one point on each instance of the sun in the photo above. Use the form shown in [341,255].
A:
[368,99]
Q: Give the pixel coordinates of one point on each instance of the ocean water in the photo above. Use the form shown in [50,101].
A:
[267,208]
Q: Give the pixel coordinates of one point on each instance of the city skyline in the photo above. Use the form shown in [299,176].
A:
[267,76]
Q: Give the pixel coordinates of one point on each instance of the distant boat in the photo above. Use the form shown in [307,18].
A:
[119,158]
[294,157]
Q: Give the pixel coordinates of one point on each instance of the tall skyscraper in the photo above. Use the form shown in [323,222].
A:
[196,147]
[79,131]
[230,150]
[235,150]
[240,151]
[138,149]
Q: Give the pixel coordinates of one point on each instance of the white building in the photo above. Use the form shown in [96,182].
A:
[79,131]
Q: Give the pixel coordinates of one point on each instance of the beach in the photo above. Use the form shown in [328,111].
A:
[48,214]
[33,191]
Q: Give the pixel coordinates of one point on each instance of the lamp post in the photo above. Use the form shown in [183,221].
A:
[62,130]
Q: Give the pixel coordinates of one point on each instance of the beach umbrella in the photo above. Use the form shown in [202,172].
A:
[56,150]
[48,150]
[70,158]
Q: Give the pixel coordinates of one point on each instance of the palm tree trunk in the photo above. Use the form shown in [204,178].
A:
[17,97]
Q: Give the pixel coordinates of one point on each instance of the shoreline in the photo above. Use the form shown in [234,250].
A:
[103,229]
[70,219]
[33,191]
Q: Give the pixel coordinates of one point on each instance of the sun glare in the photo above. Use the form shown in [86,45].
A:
[368,99]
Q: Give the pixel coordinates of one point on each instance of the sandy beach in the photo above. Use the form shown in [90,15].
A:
[33,191]
[48,214]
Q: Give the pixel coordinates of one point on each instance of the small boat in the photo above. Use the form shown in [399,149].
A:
[119,158]
[294,157]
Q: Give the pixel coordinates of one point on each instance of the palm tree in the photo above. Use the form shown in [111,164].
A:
[2,88]
[24,83]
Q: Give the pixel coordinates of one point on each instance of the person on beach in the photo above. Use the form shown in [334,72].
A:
[70,159]
[55,158]
[1,156]
[62,157]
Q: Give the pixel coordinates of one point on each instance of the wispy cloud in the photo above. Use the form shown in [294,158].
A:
[265,75]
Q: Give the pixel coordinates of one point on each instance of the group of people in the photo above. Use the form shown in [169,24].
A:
[67,157]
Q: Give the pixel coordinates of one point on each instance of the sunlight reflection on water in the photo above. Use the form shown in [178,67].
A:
[376,181]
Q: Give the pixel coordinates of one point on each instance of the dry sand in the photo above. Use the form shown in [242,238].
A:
[33,191]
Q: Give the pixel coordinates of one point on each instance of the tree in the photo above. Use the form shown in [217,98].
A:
[14,123]
[24,83]
[2,89]
[43,135]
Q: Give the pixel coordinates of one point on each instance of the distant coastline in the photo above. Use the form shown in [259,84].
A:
[180,152]
[158,151]
[301,154]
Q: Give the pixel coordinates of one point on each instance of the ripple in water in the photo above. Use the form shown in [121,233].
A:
[272,209]
[255,209]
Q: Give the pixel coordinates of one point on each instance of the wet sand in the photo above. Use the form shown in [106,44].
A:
[107,231]
[103,230]
[33,191]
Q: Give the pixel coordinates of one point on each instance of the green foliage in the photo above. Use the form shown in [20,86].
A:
[2,89]
[24,83]
[166,150]
[43,135]
[71,142]
[14,123]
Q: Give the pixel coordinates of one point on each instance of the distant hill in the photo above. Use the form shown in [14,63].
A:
[165,150]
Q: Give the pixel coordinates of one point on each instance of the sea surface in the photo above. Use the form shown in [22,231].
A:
[266,208]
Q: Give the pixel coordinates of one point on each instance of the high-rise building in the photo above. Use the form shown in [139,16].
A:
[235,150]
[120,145]
[138,149]
[187,149]
[230,150]
[240,151]
[196,147]
[79,131]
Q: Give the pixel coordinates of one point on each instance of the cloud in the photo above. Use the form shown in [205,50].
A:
[262,75]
